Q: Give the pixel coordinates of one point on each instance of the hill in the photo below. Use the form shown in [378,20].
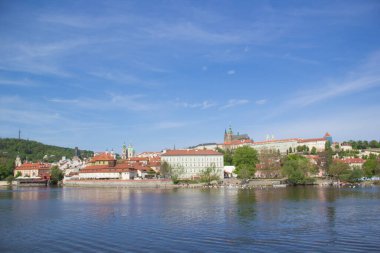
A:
[32,151]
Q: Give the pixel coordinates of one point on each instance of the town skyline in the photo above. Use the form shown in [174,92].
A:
[180,73]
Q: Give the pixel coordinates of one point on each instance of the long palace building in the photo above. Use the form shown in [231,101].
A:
[233,141]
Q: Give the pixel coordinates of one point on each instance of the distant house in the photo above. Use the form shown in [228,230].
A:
[34,170]
[105,166]
[346,147]
[352,162]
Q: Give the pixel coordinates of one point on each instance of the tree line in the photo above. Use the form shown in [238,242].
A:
[32,151]
[363,144]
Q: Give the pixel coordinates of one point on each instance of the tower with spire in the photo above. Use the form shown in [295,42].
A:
[124,154]
[131,151]
[228,135]
[18,161]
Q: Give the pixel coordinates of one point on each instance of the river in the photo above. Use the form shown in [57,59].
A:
[292,219]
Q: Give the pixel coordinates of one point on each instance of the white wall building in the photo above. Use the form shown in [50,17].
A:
[285,144]
[281,145]
[194,162]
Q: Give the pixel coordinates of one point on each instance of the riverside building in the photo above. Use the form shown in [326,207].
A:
[193,162]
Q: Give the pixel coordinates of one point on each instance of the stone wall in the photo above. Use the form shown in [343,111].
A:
[121,183]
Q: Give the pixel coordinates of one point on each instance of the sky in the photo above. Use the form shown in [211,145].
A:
[159,74]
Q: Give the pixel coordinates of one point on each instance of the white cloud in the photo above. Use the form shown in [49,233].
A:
[134,102]
[123,78]
[203,105]
[231,72]
[192,32]
[22,82]
[261,102]
[234,103]
[365,77]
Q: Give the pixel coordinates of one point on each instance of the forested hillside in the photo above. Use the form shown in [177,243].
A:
[32,151]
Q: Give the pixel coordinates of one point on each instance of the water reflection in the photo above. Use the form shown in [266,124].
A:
[246,205]
[213,220]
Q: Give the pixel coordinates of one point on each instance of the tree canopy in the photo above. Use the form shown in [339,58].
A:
[56,175]
[338,169]
[297,169]
[209,174]
[371,167]
[245,159]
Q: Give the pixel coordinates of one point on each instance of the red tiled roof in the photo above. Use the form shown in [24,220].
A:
[311,140]
[120,167]
[34,166]
[351,160]
[90,167]
[103,157]
[155,164]
[138,159]
[260,166]
[181,152]
[102,170]
[327,134]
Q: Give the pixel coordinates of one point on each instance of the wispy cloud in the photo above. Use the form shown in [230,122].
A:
[135,102]
[123,78]
[203,105]
[234,102]
[19,82]
[192,32]
[365,77]
[231,72]
[261,102]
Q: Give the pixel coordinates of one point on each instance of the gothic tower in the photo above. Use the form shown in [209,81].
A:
[228,135]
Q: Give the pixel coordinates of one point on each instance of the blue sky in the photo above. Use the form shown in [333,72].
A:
[96,74]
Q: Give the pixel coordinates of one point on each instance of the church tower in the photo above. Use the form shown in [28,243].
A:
[228,135]
[124,152]
[131,151]
[18,161]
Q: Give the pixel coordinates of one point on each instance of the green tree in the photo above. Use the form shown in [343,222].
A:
[227,155]
[176,172]
[209,174]
[165,170]
[327,145]
[352,176]
[313,151]
[6,168]
[56,175]
[18,174]
[245,159]
[374,144]
[338,169]
[297,169]
[371,167]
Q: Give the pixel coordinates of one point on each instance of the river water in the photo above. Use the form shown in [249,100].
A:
[293,219]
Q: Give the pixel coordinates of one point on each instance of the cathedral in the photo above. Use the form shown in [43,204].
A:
[229,136]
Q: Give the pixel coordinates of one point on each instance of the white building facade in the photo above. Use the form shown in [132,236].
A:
[191,163]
